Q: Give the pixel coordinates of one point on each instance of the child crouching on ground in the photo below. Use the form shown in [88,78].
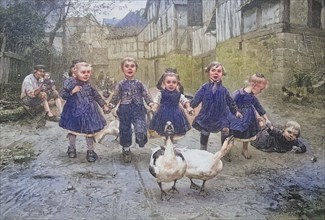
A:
[272,139]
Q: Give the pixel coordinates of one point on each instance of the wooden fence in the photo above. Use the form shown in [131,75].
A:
[13,69]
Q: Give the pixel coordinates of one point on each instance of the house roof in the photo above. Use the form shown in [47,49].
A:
[117,33]
[133,19]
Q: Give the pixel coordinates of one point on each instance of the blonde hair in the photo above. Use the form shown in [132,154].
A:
[129,59]
[215,64]
[257,78]
[295,125]
[78,65]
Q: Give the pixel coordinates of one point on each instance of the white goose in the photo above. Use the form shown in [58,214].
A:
[204,165]
[166,164]
[111,129]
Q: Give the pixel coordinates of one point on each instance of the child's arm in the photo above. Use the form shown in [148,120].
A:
[260,110]
[70,87]
[300,146]
[116,97]
[232,104]
[98,98]
[156,101]
[147,97]
[275,132]
[198,97]
[186,104]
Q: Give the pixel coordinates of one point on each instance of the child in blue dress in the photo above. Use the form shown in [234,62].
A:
[245,128]
[167,102]
[81,115]
[216,100]
[130,94]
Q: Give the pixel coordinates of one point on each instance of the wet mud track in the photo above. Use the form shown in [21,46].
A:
[49,185]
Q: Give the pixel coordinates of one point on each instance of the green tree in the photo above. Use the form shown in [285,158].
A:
[22,27]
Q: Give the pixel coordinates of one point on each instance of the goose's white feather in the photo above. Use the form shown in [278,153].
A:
[201,164]
[204,165]
[166,165]
[111,129]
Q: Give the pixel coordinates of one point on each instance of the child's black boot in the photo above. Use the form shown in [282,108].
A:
[91,156]
[72,153]
[127,157]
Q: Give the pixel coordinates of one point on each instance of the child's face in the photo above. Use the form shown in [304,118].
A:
[47,76]
[171,83]
[257,88]
[290,134]
[129,68]
[83,73]
[215,73]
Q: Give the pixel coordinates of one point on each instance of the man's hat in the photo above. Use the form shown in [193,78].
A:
[39,67]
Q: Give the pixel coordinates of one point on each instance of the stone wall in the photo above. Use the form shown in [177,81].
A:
[277,56]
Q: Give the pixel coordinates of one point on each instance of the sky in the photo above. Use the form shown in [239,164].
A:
[122,8]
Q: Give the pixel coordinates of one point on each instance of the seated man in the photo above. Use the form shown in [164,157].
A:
[32,94]
[272,139]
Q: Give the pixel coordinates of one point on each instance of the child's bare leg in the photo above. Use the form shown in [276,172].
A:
[58,104]
[47,108]
[245,151]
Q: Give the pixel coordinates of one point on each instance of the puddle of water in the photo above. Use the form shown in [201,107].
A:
[298,193]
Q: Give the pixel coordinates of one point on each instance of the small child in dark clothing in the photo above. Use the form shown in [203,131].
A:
[216,102]
[130,95]
[81,114]
[167,102]
[245,128]
[272,139]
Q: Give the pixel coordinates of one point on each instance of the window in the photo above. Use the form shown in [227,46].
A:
[194,14]
[314,13]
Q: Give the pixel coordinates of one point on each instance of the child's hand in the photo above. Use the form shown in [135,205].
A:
[261,122]
[296,149]
[76,89]
[239,115]
[268,124]
[154,108]
[106,109]
[190,111]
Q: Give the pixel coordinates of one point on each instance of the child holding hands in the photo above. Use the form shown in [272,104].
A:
[245,128]
[166,106]
[130,94]
[81,115]
[216,100]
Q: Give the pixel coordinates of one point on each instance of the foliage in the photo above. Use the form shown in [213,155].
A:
[22,27]
[187,68]
[240,64]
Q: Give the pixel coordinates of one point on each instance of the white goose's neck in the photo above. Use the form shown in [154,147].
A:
[169,147]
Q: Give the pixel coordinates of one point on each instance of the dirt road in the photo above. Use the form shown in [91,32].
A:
[39,181]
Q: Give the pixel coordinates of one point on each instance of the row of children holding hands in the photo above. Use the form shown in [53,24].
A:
[220,111]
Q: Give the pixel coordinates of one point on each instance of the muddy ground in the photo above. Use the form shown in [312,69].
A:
[39,181]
